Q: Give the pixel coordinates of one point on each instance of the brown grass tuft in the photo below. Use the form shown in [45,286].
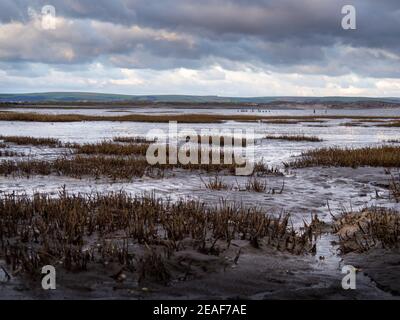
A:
[81,230]
[294,138]
[110,148]
[21,140]
[113,167]
[394,124]
[367,229]
[183,118]
[393,141]
[9,153]
[78,167]
[256,185]
[218,140]
[394,188]
[216,183]
[383,156]
[133,140]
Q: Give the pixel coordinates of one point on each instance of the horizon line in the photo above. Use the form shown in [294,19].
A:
[194,95]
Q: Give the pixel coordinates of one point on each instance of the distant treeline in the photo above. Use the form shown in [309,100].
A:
[272,104]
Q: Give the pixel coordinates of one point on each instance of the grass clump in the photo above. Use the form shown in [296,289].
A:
[294,138]
[394,124]
[110,148]
[394,188]
[77,230]
[113,167]
[383,156]
[256,185]
[79,167]
[352,124]
[10,153]
[133,140]
[216,183]
[21,140]
[262,169]
[219,140]
[393,141]
[282,121]
[367,229]
[189,118]
[183,118]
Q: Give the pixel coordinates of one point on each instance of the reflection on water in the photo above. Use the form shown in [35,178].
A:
[378,112]
[304,189]
[272,151]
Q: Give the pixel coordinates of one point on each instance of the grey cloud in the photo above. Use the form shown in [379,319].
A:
[285,35]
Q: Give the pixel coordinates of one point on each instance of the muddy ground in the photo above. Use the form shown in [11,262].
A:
[254,273]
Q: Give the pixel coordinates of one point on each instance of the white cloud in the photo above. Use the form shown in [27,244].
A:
[214,80]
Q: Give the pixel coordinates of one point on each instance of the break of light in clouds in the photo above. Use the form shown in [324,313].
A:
[209,47]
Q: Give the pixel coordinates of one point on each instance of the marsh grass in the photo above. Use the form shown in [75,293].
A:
[382,156]
[294,138]
[152,267]
[371,120]
[216,183]
[394,124]
[367,229]
[183,118]
[10,153]
[79,230]
[110,148]
[295,120]
[263,169]
[143,140]
[121,160]
[256,185]
[21,140]
[282,121]
[112,167]
[352,124]
[76,167]
[189,118]
[219,140]
[394,188]
[393,141]
[365,122]
[79,167]
[137,148]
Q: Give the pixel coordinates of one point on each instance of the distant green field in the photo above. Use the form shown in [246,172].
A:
[104,97]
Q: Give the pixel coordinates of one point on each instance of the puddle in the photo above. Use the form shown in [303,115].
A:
[4,275]
[327,257]
[329,262]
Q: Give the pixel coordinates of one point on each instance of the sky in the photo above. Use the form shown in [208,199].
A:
[208,47]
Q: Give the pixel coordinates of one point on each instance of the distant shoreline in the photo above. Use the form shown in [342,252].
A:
[275,105]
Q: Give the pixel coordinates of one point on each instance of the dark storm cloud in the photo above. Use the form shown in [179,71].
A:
[276,34]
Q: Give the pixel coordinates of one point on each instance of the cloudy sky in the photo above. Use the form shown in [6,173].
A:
[207,47]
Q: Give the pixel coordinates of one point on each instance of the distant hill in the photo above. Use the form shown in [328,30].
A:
[59,97]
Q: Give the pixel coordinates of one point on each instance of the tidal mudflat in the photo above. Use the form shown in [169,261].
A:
[78,194]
